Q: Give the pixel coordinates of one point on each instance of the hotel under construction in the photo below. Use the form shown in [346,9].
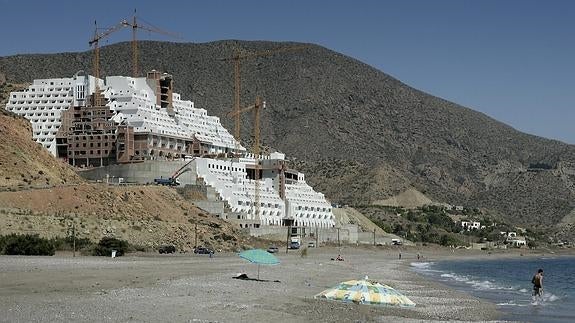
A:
[93,123]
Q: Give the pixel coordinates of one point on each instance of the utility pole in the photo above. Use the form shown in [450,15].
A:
[74,240]
[374,237]
[287,239]
[316,237]
[196,235]
[338,242]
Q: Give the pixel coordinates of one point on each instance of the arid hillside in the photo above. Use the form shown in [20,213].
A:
[147,216]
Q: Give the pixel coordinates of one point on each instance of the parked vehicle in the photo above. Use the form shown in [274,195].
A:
[173,179]
[203,251]
[294,245]
[167,181]
[311,244]
[396,242]
[273,249]
[167,249]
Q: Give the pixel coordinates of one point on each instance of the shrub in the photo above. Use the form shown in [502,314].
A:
[68,243]
[447,240]
[27,245]
[106,245]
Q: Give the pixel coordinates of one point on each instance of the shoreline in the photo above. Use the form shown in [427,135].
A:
[187,287]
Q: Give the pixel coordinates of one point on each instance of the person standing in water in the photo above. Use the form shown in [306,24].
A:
[537,282]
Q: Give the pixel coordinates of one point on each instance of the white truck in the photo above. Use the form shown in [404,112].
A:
[396,242]
[294,243]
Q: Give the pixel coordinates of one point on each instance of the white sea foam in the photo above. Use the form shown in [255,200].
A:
[455,277]
[421,265]
[424,267]
[548,297]
[511,303]
[476,284]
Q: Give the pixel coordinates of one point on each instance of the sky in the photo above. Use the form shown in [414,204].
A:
[512,60]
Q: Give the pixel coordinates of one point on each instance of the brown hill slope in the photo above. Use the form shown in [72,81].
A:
[143,215]
[24,163]
[358,133]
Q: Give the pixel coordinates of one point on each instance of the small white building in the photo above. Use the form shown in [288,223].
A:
[517,241]
[510,234]
[470,225]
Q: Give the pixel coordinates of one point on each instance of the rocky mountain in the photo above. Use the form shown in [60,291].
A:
[359,134]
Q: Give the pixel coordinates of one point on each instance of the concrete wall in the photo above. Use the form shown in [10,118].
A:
[141,173]
[212,207]
[385,239]
[347,234]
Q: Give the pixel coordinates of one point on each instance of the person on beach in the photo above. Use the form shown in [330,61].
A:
[537,282]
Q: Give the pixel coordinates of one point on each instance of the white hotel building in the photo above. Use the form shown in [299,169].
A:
[142,120]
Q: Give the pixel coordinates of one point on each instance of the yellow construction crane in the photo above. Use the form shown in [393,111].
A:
[135,26]
[94,42]
[256,149]
[236,58]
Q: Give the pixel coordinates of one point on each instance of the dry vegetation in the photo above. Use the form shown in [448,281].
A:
[146,216]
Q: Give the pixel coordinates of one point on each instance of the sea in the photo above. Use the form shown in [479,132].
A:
[507,283]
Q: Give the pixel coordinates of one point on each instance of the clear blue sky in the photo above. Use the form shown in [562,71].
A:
[513,60]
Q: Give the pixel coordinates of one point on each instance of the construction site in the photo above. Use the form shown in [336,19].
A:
[135,130]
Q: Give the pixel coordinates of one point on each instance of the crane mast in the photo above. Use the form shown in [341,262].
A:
[94,42]
[259,104]
[135,26]
[236,59]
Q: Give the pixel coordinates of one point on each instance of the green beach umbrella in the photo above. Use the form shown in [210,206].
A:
[365,291]
[259,257]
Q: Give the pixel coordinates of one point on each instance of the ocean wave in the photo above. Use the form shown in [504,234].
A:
[477,284]
[422,265]
[511,303]
[548,297]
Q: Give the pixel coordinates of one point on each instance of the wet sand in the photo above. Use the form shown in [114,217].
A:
[196,288]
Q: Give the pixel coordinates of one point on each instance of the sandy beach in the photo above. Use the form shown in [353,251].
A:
[196,288]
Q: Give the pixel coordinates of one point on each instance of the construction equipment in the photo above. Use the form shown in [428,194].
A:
[256,148]
[236,58]
[173,179]
[96,63]
[124,23]
[135,26]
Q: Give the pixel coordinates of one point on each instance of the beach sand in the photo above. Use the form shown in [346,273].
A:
[196,288]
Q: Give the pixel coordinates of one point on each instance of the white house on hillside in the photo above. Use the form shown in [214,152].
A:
[470,225]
